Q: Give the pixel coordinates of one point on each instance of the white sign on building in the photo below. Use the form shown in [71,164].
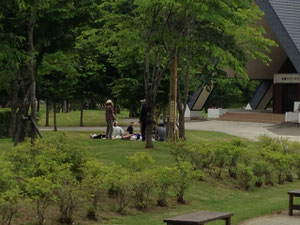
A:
[288,78]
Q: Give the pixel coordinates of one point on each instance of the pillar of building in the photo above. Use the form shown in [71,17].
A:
[277,98]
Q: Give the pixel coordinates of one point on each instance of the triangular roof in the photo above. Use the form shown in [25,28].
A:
[284,18]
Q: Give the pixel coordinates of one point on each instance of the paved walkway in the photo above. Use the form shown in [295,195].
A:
[248,130]
[276,219]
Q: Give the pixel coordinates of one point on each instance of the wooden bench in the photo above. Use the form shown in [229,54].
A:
[199,218]
[292,206]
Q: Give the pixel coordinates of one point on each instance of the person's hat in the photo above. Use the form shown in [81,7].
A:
[143,100]
[109,101]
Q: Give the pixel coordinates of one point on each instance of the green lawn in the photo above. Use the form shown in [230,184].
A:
[91,118]
[206,195]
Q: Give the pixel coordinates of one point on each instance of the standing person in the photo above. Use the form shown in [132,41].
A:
[110,117]
[143,119]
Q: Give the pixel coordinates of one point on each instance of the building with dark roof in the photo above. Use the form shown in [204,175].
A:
[280,80]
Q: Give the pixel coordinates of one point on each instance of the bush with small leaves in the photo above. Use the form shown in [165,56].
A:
[10,193]
[120,183]
[69,197]
[140,161]
[96,184]
[164,179]
[143,185]
[141,167]
[183,176]
[245,176]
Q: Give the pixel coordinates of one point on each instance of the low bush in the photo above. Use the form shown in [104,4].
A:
[245,176]
[10,193]
[164,179]
[183,177]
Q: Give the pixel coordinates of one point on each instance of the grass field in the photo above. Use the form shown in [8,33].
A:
[206,195]
[91,118]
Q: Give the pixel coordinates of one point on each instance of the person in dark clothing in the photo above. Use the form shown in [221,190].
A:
[110,117]
[143,119]
[130,128]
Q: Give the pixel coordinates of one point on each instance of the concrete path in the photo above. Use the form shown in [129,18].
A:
[276,219]
[248,130]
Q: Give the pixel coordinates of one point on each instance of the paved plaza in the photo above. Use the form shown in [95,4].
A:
[248,130]
[276,219]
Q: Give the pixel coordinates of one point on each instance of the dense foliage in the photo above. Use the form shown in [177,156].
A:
[4,123]
[54,173]
[248,164]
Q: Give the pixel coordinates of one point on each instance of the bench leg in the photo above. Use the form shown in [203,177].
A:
[291,205]
[228,221]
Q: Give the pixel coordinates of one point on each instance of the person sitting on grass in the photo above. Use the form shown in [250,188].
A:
[100,136]
[131,135]
[161,133]
[118,132]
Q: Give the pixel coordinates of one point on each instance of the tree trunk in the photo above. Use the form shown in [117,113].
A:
[14,98]
[54,116]
[47,113]
[65,106]
[31,68]
[21,122]
[81,114]
[182,125]
[131,113]
[173,98]
[164,115]
[38,105]
[149,126]
[68,109]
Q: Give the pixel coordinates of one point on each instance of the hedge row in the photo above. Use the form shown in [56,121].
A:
[53,172]
[266,162]
[4,123]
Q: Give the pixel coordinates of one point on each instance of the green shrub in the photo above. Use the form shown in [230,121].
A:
[143,187]
[264,172]
[245,176]
[69,197]
[184,175]
[95,184]
[282,164]
[163,177]
[4,123]
[121,187]
[140,161]
[9,193]
[49,170]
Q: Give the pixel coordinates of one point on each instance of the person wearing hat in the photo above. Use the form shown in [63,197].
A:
[143,119]
[110,117]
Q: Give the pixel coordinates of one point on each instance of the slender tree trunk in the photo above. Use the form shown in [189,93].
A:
[173,102]
[67,107]
[182,124]
[164,116]
[131,113]
[81,113]
[47,113]
[65,110]
[38,105]
[54,116]
[31,68]
[183,99]
[149,124]
[21,122]
[14,99]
